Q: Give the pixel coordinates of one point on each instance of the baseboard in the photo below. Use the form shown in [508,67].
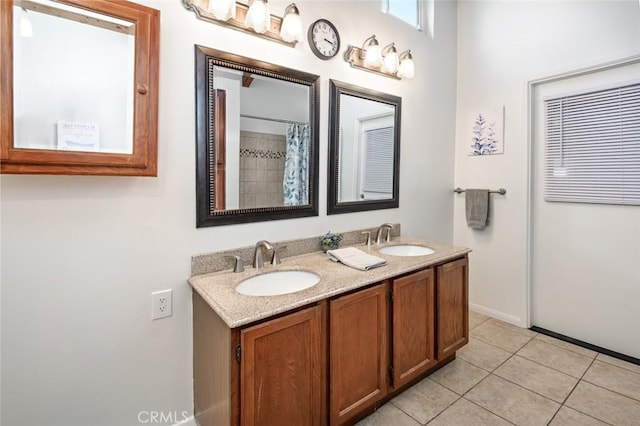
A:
[497,314]
[191,421]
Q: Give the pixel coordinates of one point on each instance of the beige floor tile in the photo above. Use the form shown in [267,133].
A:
[614,378]
[424,400]
[482,354]
[514,328]
[555,357]
[512,402]
[604,405]
[502,337]
[569,417]
[465,413]
[459,376]
[619,363]
[475,319]
[387,415]
[538,378]
[478,315]
[566,345]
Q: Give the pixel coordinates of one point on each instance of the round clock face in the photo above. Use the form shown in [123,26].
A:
[324,39]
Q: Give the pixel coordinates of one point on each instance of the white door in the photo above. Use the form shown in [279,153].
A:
[375,165]
[585,257]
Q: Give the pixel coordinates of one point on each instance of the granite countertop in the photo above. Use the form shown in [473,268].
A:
[235,309]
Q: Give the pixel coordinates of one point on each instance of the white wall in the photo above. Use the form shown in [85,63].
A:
[501,46]
[271,98]
[81,255]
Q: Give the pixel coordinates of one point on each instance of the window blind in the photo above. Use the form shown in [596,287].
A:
[378,166]
[592,150]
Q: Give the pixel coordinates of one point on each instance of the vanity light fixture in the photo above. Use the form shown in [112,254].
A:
[253,18]
[385,61]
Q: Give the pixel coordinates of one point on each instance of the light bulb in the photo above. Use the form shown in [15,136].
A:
[291,29]
[406,68]
[258,16]
[222,9]
[372,52]
[390,61]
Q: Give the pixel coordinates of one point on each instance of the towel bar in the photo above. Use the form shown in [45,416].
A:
[500,191]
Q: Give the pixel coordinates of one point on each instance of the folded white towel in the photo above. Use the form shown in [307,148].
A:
[356,258]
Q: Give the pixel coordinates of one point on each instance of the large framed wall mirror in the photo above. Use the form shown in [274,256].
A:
[79,82]
[364,149]
[256,140]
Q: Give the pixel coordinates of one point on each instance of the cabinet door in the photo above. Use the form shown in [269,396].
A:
[282,371]
[413,316]
[453,307]
[358,352]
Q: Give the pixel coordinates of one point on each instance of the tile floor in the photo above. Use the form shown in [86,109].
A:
[510,375]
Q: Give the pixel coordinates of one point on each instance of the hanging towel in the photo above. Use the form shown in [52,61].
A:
[355,258]
[477,207]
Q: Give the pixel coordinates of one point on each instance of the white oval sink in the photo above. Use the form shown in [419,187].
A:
[407,250]
[277,283]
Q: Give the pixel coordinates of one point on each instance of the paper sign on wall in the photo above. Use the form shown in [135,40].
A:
[76,136]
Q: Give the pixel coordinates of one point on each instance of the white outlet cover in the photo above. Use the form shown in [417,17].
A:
[161,304]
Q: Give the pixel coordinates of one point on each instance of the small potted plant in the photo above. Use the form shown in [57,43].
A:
[330,241]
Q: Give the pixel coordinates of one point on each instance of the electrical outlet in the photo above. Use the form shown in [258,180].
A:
[161,304]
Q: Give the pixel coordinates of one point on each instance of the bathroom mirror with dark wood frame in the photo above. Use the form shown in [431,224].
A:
[79,81]
[256,140]
[364,149]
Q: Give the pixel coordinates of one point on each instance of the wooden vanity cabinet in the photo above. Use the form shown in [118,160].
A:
[358,352]
[452,290]
[272,373]
[333,362]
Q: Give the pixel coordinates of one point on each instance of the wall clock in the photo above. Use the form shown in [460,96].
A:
[324,39]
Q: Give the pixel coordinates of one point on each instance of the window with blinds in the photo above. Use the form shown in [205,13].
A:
[378,160]
[592,150]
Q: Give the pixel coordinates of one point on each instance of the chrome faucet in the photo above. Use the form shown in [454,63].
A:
[257,253]
[381,229]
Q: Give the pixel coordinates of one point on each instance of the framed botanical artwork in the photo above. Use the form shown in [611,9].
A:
[487,131]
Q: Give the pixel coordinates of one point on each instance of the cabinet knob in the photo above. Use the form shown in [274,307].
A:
[142,88]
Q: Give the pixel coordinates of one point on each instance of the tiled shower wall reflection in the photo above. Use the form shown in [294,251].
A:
[261,169]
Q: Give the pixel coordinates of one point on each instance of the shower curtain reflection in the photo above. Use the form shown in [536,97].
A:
[295,187]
